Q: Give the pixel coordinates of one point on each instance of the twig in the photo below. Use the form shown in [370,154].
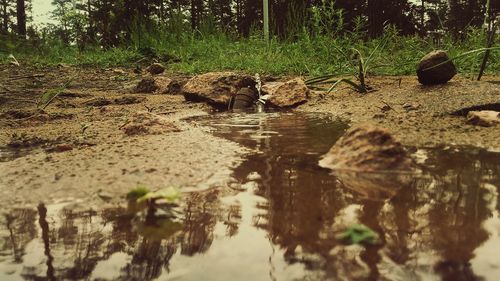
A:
[5,88]
[26,76]
[166,112]
[389,106]
[487,53]
[124,124]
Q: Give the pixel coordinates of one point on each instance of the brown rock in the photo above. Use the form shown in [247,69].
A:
[155,68]
[216,88]
[61,148]
[367,149]
[154,85]
[146,85]
[485,118]
[439,74]
[286,94]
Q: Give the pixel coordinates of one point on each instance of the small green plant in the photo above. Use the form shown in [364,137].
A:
[360,65]
[358,234]
[142,198]
[137,193]
[50,95]
[153,226]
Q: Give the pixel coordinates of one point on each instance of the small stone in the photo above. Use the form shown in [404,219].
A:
[485,118]
[410,107]
[438,74]
[155,69]
[119,71]
[61,148]
[156,85]
[286,94]
[146,85]
[105,196]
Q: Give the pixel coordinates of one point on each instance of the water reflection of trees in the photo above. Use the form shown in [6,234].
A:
[439,214]
[74,242]
[432,225]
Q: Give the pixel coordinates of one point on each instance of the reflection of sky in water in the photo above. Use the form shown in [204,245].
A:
[277,218]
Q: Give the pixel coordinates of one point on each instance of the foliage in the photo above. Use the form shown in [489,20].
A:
[143,194]
[358,234]
[307,55]
[137,193]
[50,95]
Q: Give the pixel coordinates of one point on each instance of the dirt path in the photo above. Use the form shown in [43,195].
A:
[98,140]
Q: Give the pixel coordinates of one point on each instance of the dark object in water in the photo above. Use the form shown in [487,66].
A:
[244,98]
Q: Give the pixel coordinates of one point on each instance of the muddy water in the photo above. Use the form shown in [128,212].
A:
[276,219]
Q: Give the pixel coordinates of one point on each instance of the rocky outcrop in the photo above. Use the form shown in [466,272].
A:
[368,149]
[155,69]
[485,118]
[434,68]
[286,94]
[216,88]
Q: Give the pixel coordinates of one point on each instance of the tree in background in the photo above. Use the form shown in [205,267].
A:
[6,14]
[21,18]
[110,23]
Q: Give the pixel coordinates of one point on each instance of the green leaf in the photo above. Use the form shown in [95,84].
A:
[137,193]
[170,194]
[49,96]
[358,234]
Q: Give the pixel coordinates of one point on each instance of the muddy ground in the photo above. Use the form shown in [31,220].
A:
[98,139]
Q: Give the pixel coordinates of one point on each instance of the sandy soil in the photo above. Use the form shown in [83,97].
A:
[98,139]
[424,116]
[82,151]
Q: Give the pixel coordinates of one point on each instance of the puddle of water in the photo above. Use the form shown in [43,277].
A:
[276,220]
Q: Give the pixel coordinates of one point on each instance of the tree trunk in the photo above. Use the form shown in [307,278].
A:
[453,17]
[194,20]
[422,19]
[5,17]
[21,18]
[375,18]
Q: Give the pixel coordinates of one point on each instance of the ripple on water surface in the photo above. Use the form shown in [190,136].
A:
[276,220]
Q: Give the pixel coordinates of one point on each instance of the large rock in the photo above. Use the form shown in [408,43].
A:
[485,118]
[367,149]
[216,88]
[286,94]
[369,161]
[438,74]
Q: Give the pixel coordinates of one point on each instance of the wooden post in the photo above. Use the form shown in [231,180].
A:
[266,20]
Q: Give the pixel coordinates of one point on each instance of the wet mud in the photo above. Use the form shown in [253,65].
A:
[276,218]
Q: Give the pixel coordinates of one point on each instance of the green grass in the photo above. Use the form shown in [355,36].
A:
[306,55]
